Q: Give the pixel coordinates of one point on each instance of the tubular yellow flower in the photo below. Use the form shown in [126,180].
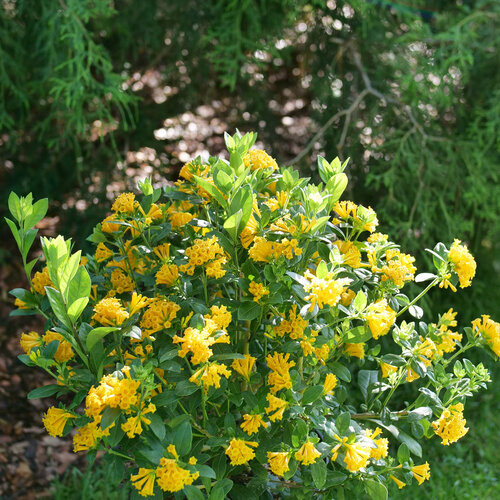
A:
[355,350]
[307,454]
[244,366]
[137,302]
[399,267]
[387,369]
[41,280]
[330,383]
[450,426]
[279,378]
[398,482]
[380,317]
[345,209]
[411,375]
[171,477]
[88,436]
[144,481]
[110,312]
[210,376]
[220,316]
[276,407]
[463,263]
[421,472]
[294,326]
[351,254]
[240,451]
[382,448]
[167,275]
[202,252]
[199,343]
[356,456]
[257,159]
[347,297]
[124,203]
[252,423]
[121,282]
[30,340]
[55,419]
[258,290]
[103,253]
[64,351]
[162,251]
[179,219]
[324,290]
[278,462]
[489,331]
[159,315]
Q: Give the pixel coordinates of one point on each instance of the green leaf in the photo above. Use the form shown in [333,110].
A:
[15,232]
[220,465]
[109,415]
[221,489]
[57,306]
[403,453]
[223,181]
[185,388]
[419,413]
[248,311]
[232,223]
[334,478]
[365,379]
[212,190]
[157,426]
[78,293]
[342,423]
[416,311]
[360,301]
[341,371]
[43,392]
[358,335]
[15,206]
[193,493]
[242,200]
[318,472]
[413,445]
[376,490]
[420,278]
[311,394]
[321,270]
[183,438]
[97,334]
[29,238]
[39,210]
[336,186]
[299,432]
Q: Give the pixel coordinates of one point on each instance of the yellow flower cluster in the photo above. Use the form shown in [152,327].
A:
[399,267]
[380,317]
[257,159]
[356,454]
[103,253]
[276,407]
[279,378]
[278,462]
[41,280]
[171,477]
[293,326]
[110,312]
[350,253]
[450,426]
[264,250]
[88,436]
[158,316]
[330,383]
[124,204]
[205,252]
[382,449]
[252,423]
[258,290]
[489,331]
[167,275]
[120,282]
[210,375]
[64,351]
[324,291]
[133,426]
[463,263]
[55,419]
[244,366]
[240,451]
[307,454]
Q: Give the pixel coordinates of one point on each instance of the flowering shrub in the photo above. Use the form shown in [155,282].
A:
[244,333]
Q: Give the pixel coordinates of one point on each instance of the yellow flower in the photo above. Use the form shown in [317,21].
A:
[20,304]
[192,461]
[397,481]
[172,450]
[257,159]
[210,376]
[133,426]
[29,341]
[345,209]
[202,252]
[137,302]
[258,290]
[159,316]
[382,448]
[324,290]
[179,219]
[252,423]
[356,456]
[347,297]
[276,407]
[399,267]
[451,424]
[244,366]
[110,312]
[55,419]
[41,280]
[294,326]
[380,318]
[167,275]
[377,238]
[489,331]
[278,462]
[220,316]
[279,378]
[463,263]
[124,203]
[240,452]
[121,282]
[64,351]
[411,375]
[350,253]
[171,477]
[162,251]
[330,383]
[103,253]
[144,481]
[88,436]
[421,472]
[355,350]
[387,369]
[199,343]
[307,454]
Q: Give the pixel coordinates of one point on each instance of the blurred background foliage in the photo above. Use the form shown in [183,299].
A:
[95,94]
